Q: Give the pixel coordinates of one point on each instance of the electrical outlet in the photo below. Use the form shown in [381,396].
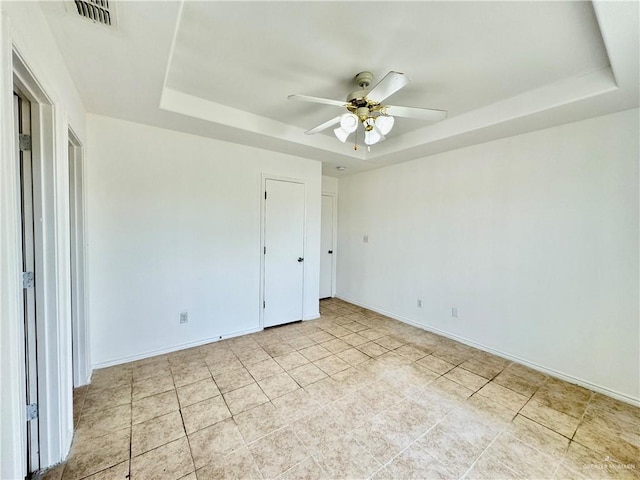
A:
[419,303]
[454,312]
[184,317]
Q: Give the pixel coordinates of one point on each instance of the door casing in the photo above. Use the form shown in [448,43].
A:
[77,236]
[54,370]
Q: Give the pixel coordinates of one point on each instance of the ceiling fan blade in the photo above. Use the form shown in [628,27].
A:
[325,101]
[323,126]
[390,84]
[417,113]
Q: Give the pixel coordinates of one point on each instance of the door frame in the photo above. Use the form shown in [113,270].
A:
[263,214]
[334,240]
[50,155]
[78,235]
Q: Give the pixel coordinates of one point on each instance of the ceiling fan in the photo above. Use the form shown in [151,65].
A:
[365,107]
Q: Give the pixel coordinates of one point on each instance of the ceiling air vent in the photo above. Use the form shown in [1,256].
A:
[97,10]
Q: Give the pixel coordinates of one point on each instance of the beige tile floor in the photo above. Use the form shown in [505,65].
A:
[351,395]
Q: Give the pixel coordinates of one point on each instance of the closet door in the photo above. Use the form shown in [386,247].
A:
[283,251]
[326,247]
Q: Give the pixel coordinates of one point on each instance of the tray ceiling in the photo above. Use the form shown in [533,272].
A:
[224,69]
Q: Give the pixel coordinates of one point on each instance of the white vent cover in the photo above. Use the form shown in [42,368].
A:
[99,11]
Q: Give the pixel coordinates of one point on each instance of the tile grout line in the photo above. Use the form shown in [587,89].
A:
[184,427]
[131,429]
[483,452]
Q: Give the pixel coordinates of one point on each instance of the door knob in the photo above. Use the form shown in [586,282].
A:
[300,259]
[330,252]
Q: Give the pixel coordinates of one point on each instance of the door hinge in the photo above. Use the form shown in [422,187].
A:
[27,280]
[24,140]
[32,411]
[264,304]
[265,250]
[265,194]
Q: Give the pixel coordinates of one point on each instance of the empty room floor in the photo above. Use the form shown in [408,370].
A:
[351,395]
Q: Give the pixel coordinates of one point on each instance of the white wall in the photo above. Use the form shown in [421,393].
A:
[24,30]
[174,225]
[329,185]
[533,238]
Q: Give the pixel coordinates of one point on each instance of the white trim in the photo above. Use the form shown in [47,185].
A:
[548,371]
[12,375]
[48,266]
[174,348]
[80,327]
[263,212]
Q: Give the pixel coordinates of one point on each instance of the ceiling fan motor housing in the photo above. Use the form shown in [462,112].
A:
[357,98]
[363,113]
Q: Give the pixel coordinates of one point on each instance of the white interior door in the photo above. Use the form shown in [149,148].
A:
[326,247]
[283,252]
[22,115]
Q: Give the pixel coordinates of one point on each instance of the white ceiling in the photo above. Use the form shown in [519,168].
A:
[224,69]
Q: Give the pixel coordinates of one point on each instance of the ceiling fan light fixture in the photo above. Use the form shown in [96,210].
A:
[384,123]
[349,122]
[366,107]
[371,137]
[341,134]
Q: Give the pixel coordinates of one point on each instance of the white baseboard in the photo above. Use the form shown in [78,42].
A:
[547,371]
[173,348]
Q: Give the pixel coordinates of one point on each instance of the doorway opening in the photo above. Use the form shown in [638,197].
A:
[79,330]
[31,272]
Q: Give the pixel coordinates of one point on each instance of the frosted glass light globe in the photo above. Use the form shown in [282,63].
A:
[341,134]
[372,137]
[384,123]
[349,122]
